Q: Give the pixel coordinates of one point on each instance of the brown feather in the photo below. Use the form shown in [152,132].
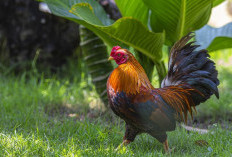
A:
[178,97]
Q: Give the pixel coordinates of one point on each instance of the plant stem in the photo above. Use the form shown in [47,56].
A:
[161,70]
[182,18]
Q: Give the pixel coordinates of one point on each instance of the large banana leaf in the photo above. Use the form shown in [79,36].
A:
[215,38]
[178,17]
[134,8]
[127,30]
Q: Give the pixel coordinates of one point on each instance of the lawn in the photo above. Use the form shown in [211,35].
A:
[52,117]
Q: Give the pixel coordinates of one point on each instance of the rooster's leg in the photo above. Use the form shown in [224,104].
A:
[124,143]
[129,136]
[162,138]
[166,147]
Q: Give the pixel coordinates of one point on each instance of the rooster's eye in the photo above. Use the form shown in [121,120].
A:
[119,54]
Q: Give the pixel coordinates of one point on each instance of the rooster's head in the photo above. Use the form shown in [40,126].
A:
[119,55]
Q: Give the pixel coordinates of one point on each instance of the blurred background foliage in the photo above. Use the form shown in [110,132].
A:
[24,30]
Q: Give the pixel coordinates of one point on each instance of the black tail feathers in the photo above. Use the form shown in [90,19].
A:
[193,69]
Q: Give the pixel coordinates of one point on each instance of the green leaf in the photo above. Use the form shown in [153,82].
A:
[96,61]
[85,14]
[220,43]
[217,2]
[134,8]
[215,38]
[62,7]
[127,30]
[178,17]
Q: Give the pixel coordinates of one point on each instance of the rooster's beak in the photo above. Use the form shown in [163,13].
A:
[110,58]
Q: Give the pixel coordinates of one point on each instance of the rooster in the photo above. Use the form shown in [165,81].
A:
[191,80]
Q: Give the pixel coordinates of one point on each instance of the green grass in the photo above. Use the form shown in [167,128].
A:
[69,138]
[52,117]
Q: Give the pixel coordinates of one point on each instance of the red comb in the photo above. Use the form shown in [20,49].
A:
[114,49]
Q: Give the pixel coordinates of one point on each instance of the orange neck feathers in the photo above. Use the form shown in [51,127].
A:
[129,77]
